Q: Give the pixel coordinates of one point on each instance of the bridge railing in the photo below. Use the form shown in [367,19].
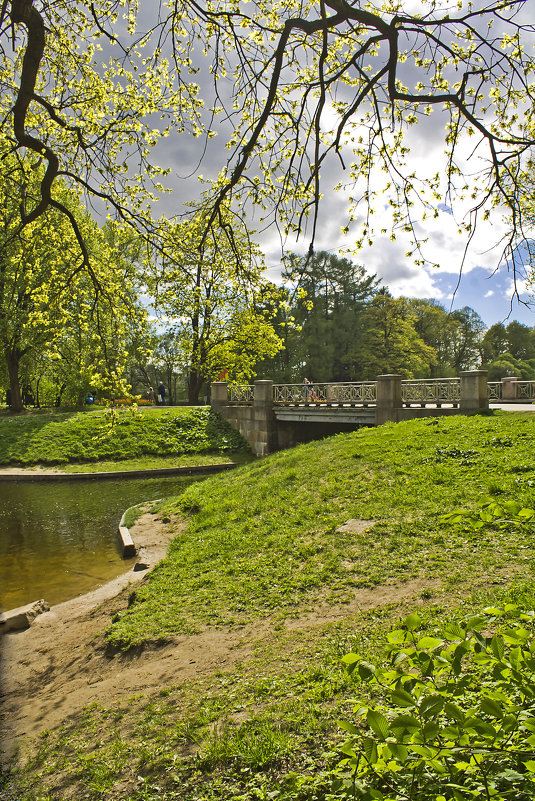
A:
[511,390]
[525,390]
[435,391]
[359,393]
[470,391]
[495,390]
[241,394]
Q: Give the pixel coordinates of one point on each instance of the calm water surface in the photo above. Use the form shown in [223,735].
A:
[60,540]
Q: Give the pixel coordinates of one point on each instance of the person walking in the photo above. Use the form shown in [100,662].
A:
[161,394]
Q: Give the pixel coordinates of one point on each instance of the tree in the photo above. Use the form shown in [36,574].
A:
[494,343]
[324,318]
[302,87]
[81,118]
[466,338]
[520,340]
[508,351]
[389,342]
[211,307]
[48,303]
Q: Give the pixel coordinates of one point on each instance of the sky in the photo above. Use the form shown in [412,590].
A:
[476,277]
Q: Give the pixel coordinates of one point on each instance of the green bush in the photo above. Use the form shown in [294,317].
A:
[457,717]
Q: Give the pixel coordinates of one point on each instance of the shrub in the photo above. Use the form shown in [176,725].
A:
[458,714]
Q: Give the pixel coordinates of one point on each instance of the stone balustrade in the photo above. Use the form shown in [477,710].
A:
[265,413]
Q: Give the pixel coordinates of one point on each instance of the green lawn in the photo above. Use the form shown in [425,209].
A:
[146,435]
[263,545]
[265,540]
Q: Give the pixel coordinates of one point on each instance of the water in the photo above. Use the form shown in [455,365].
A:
[59,540]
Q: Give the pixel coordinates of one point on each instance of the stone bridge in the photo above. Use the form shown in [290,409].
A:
[274,416]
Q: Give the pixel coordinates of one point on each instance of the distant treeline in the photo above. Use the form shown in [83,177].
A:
[339,324]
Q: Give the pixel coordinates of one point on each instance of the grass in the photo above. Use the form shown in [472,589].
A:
[146,436]
[263,550]
[267,540]
[159,462]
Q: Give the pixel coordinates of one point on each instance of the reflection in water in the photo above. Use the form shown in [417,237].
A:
[58,540]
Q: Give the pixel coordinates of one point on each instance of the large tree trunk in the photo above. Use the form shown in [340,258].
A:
[13,364]
[195,382]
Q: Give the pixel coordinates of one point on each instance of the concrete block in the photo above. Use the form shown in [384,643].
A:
[126,542]
[22,617]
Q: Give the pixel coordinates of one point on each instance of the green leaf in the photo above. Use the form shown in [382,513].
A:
[498,647]
[398,751]
[370,749]
[492,708]
[431,706]
[378,723]
[347,726]
[348,750]
[453,711]
[516,636]
[454,631]
[430,730]
[405,722]
[412,622]
[429,643]
[402,698]
[366,670]
[350,659]
[475,622]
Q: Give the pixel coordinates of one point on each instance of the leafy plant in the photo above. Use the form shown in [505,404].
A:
[458,714]
[500,514]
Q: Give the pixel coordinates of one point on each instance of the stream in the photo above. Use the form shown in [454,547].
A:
[59,540]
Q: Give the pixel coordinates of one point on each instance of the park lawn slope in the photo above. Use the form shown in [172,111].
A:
[99,435]
[266,540]
[263,549]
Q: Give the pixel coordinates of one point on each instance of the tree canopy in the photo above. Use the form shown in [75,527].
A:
[55,314]
[300,86]
[211,306]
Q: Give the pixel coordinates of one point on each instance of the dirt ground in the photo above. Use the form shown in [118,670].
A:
[60,664]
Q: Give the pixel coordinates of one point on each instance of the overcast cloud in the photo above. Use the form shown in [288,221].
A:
[441,242]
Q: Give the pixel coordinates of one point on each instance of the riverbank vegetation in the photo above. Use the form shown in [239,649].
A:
[122,439]
[442,513]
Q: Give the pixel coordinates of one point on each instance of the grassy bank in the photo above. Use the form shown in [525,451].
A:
[268,540]
[265,557]
[144,438]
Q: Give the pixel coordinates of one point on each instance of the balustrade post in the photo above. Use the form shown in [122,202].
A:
[218,394]
[474,390]
[509,387]
[388,398]
[265,432]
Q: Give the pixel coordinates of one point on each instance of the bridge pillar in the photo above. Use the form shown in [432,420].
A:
[218,393]
[388,398]
[474,390]
[509,387]
[264,434]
